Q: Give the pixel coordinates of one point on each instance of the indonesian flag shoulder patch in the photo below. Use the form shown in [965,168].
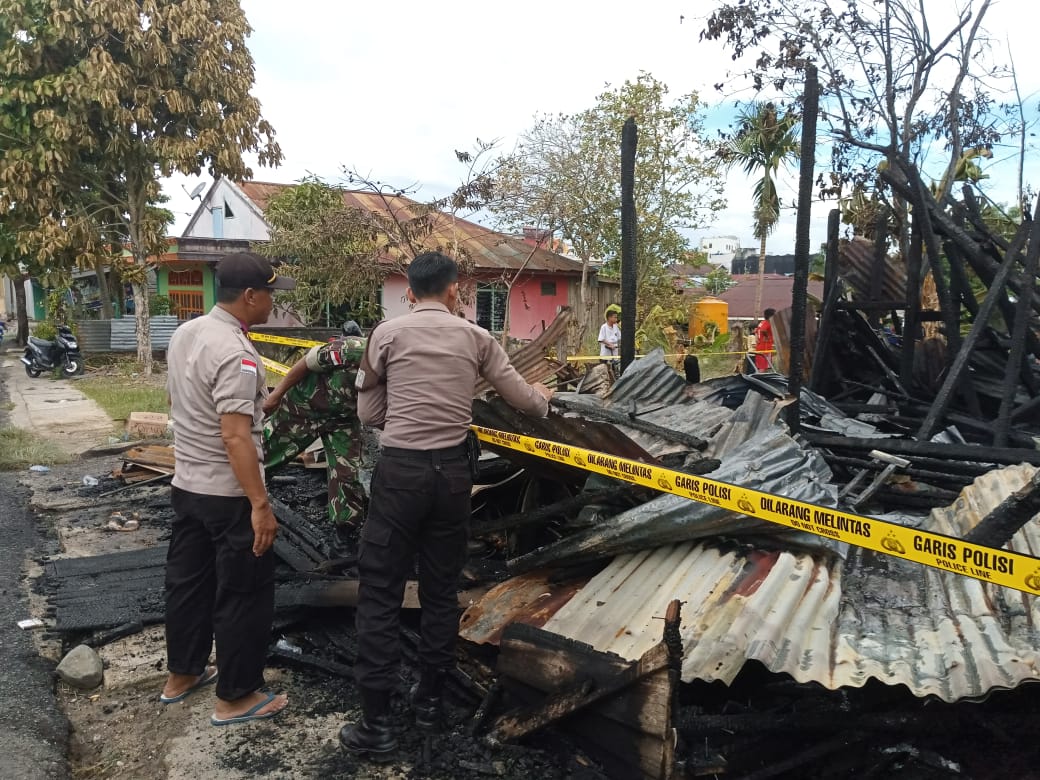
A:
[248,366]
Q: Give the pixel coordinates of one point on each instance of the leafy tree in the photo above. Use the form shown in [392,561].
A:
[895,84]
[564,177]
[764,142]
[334,250]
[100,99]
[343,243]
[718,281]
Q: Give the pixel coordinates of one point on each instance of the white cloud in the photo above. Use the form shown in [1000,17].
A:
[392,89]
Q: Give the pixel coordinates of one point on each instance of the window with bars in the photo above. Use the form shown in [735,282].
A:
[186,303]
[185,278]
[185,291]
[491,306]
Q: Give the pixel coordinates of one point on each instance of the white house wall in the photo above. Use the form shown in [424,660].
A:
[244,224]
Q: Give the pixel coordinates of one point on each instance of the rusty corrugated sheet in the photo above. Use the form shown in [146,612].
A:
[531,360]
[823,619]
[856,267]
[490,250]
[530,599]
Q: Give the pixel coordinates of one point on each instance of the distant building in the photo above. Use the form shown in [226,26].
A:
[720,250]
[745,261]
[776,294]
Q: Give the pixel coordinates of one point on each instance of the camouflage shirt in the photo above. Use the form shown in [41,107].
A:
[343,352]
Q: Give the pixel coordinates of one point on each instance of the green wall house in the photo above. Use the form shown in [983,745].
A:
[189,286]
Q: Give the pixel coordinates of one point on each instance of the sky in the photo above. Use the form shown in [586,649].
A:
[392,89]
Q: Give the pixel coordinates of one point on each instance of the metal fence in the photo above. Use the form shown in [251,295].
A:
[121,335]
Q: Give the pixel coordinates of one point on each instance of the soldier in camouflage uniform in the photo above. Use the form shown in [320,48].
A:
[317,399]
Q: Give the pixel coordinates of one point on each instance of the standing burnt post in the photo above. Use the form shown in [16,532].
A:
[629,136]
[801,246]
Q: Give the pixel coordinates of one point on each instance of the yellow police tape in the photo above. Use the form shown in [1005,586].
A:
[274,366]
[290,342]
[1012,570]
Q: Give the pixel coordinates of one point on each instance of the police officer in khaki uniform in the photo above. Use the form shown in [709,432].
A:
[220,568]
[416,384]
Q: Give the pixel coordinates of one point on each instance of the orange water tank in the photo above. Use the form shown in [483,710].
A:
[708,314]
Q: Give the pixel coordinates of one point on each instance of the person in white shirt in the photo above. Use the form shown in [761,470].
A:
[610,335]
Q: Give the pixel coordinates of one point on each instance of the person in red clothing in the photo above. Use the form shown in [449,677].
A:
[764,342]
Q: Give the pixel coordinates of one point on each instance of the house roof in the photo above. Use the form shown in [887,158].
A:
[489,249]
[776,293]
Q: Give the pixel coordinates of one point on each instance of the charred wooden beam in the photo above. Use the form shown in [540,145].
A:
[831,293]
[1019,332]
[631,421]
[626,705]
[877,272]
[803,219]
[960,364]
[950,313]
[545,513]
[997,528]
[310,661]
[970,452]
[912,307]
[931,476]
[959,278]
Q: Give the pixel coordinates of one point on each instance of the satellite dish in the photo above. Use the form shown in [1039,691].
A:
[197,190]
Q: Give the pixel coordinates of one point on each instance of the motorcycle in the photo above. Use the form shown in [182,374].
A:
[42,355]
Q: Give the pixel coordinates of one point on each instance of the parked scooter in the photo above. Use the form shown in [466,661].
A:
[42,355]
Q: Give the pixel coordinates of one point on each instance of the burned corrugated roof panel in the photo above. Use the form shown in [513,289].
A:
[771,461]
[856,266]
[820,618]
[649,379]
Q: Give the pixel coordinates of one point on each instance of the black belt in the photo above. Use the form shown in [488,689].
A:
[445,453]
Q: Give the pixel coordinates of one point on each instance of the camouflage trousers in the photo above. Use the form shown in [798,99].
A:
[322,406]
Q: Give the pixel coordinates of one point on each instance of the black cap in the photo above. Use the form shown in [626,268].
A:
[241,270]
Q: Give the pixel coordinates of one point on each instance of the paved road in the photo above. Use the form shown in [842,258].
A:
[33,731]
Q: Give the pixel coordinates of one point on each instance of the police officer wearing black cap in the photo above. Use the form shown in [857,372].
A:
[219,568]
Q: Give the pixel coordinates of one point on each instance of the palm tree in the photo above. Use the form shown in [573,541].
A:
[763,143]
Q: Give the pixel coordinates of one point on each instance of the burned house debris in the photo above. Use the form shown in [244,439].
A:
[670,636]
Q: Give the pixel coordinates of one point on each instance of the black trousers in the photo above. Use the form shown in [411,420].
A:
[216,589]
[419,504]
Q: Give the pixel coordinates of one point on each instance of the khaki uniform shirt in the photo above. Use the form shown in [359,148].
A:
[213,370]
[430,360]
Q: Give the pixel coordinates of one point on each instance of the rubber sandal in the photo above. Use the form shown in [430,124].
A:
[206,678]
[249,715]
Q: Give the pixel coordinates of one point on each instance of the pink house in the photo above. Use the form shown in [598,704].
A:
[518,272]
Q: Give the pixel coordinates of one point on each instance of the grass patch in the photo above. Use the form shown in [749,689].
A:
[20,449]
[119,395]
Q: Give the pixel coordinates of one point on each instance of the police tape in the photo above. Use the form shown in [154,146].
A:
[1001,567]
[274,366]
[287,341]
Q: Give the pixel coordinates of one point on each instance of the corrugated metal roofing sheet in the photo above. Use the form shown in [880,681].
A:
[856,267]
[770,461]
[489,249]
[820,618]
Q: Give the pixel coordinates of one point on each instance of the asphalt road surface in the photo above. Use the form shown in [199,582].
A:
[33,731]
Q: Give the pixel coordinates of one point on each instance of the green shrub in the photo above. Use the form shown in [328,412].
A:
[159,305]
[45,330]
